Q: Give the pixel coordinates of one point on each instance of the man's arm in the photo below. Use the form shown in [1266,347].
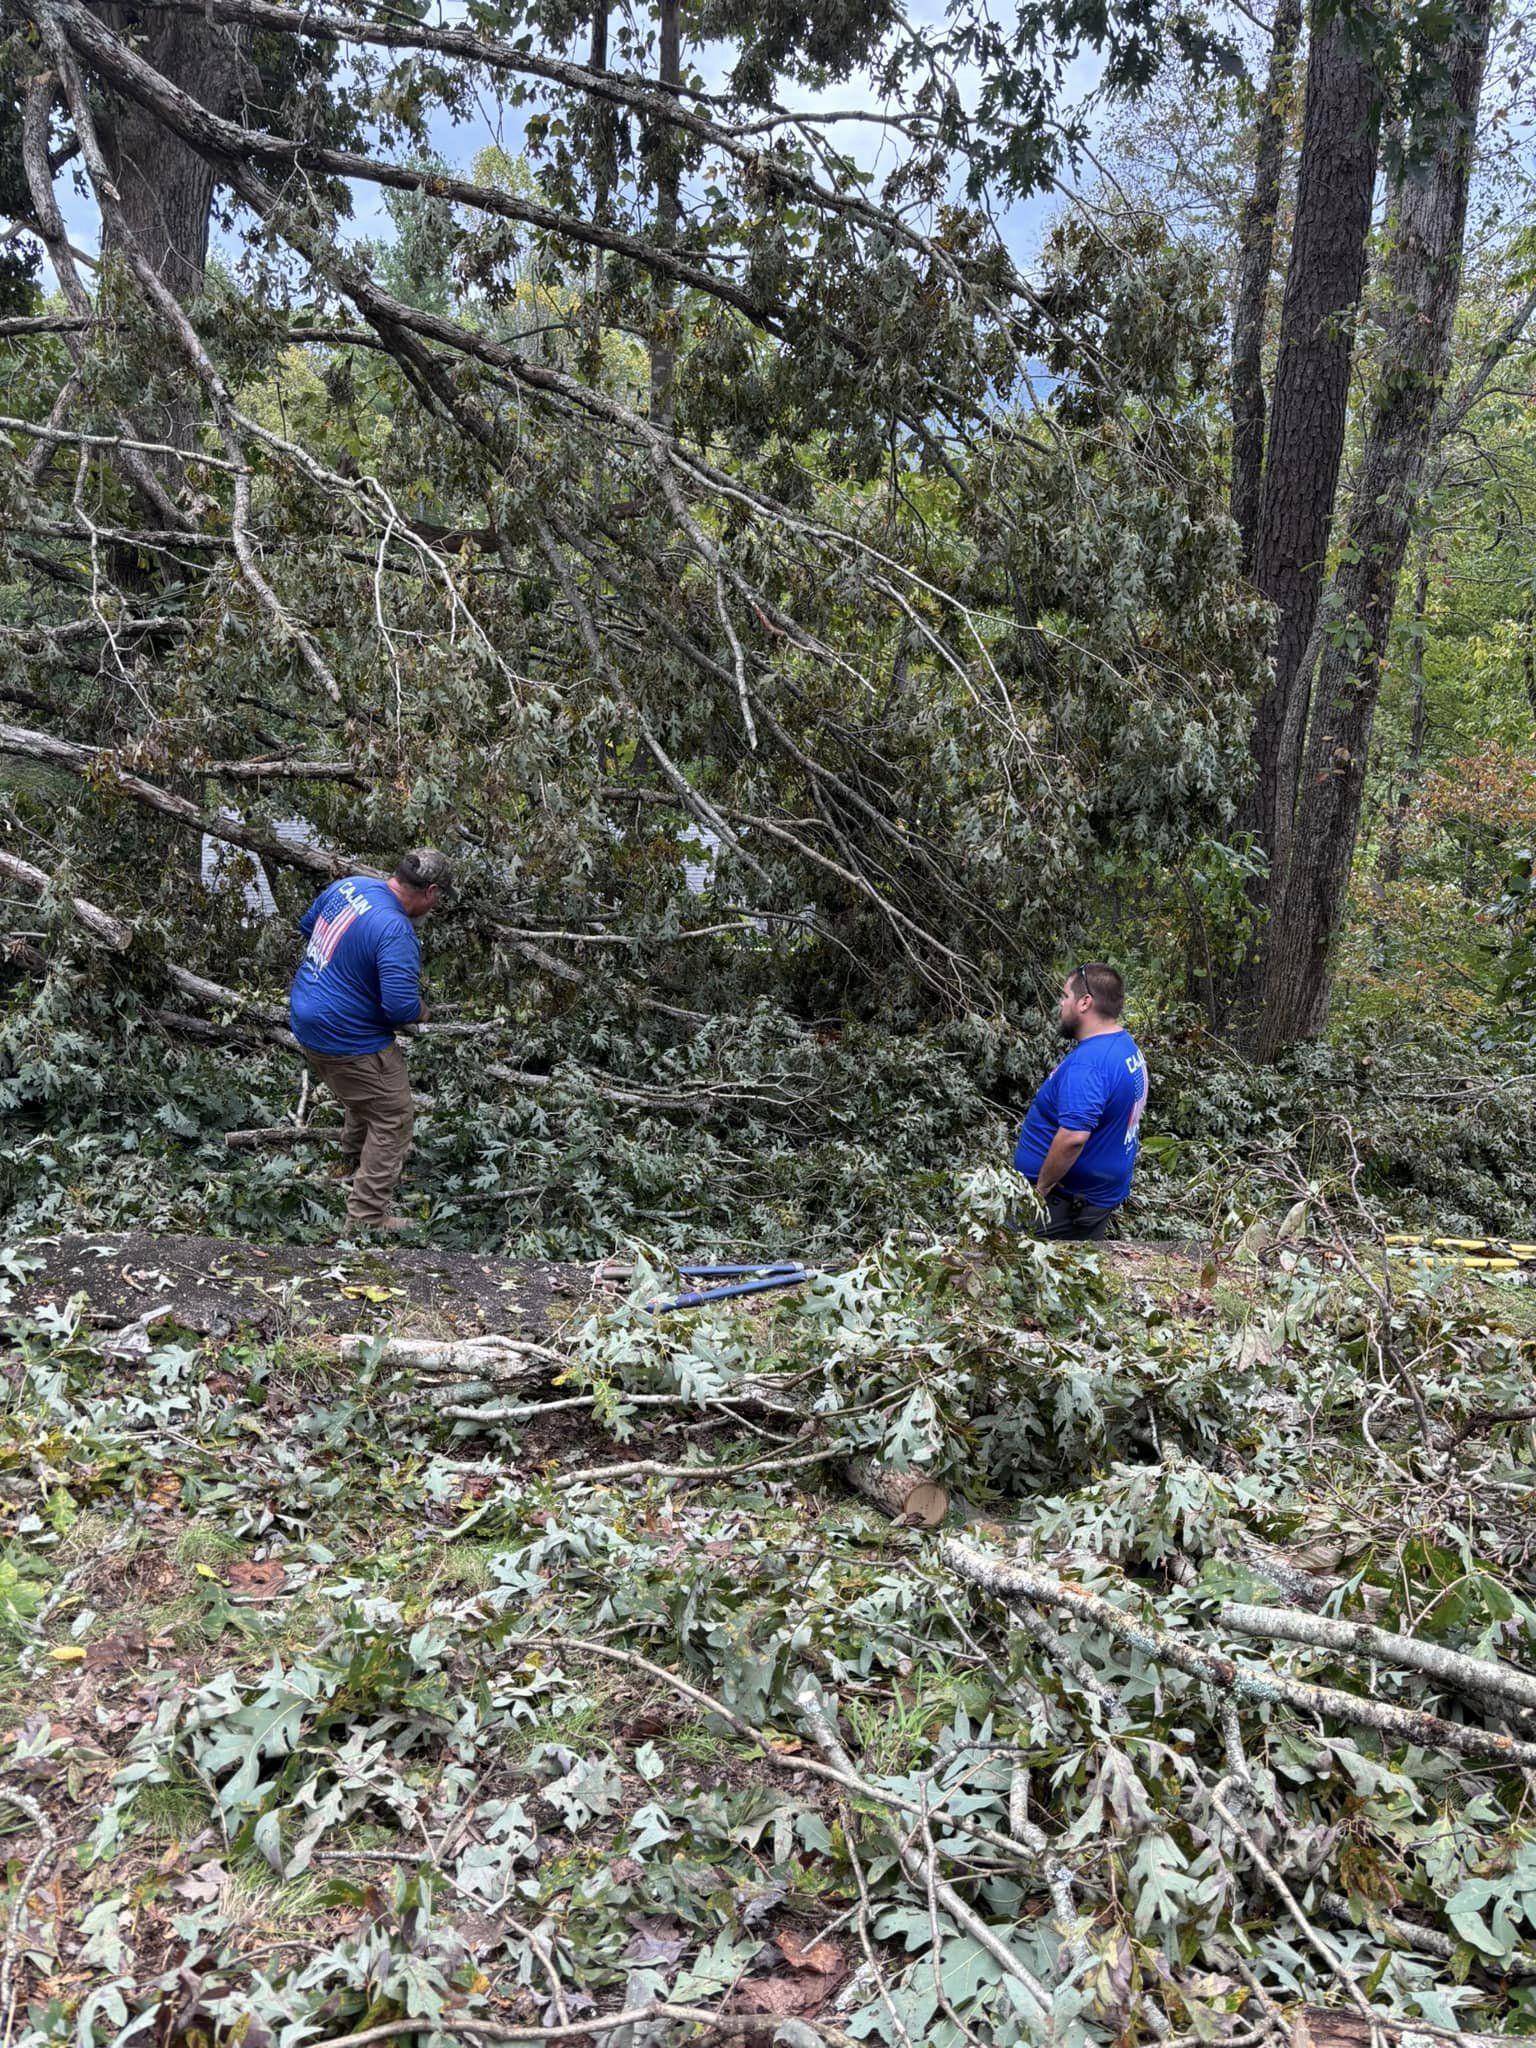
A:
[1079,1111]
[399,962]
[1058,1161]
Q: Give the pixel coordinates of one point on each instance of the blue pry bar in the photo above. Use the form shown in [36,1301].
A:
[707,1294]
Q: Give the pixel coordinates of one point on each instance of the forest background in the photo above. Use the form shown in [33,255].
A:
[832,517]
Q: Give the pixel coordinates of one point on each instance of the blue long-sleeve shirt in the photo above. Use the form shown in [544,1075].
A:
[360,978]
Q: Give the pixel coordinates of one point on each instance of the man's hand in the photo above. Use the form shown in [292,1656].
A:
[1059,1161]
[423,1014]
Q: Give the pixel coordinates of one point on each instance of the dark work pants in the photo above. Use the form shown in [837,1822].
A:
[1069,1216]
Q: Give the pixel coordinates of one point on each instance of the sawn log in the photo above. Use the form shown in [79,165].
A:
[911,1498]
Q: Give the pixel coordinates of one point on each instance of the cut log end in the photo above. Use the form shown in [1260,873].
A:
[927,1505]
[911,1498]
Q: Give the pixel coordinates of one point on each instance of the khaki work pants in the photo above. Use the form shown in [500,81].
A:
[375,1094]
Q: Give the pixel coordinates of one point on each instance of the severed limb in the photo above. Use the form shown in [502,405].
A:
[1010,1582]
[1474,1675]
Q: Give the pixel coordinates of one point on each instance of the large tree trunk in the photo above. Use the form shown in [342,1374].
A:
[165,188]
[1324,277]
[604,171]
[1255,260]
[1423,285]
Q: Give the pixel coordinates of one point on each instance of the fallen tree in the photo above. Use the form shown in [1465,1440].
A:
[1029,1786]
[104,772]
[118,936]
[1013,1582]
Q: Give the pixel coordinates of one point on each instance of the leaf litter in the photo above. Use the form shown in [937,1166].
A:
[341,1711]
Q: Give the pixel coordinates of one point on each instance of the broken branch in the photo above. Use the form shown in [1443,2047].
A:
[1363,1639]
[1010,1581]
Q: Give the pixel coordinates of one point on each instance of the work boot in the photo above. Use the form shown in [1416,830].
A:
[386,1226]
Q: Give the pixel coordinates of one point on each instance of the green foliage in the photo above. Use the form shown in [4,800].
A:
[1515,912]
[415,1791]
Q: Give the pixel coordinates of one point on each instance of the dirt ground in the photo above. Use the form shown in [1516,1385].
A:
[215,1285]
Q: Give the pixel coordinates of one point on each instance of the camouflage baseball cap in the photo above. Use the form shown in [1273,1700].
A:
[425,868]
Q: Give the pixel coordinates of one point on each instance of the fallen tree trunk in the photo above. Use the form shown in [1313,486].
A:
[1007,1581]
[99,767]
[252,1036]
[1319,2026]
[1364,1639]
[1409,1934]
[311,1134]
[100,923]
[630,1098]
[489,1357]
[911,1498]
[1293,1581]
[281,1134]
[118,936]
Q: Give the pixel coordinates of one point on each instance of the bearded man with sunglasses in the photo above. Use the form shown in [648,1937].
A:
[1082,1132]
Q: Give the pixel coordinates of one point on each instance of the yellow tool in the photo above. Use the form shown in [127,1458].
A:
[1473,1254]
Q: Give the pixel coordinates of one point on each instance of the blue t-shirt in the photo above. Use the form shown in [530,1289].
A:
[1100,1087]
[360,978]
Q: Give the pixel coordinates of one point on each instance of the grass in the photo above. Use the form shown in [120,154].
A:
[172,1813]
[206,1543]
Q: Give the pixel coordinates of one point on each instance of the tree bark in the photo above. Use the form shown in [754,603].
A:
[1362,1639]
[250,1037]
[1011,1582]
[1422,288]
[1324,278]
[97,765]
[911,1498]
[1320,2026]
[494,1357]
[1392,851]
[166,189]
[117,936]
[605,147]
[1255,261]
[282,1134]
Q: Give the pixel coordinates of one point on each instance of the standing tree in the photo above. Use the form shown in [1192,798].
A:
[1423,275]
[1309,411]
[164,186]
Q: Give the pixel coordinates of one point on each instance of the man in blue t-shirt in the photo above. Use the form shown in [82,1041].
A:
[357,985]
[1082,1132]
